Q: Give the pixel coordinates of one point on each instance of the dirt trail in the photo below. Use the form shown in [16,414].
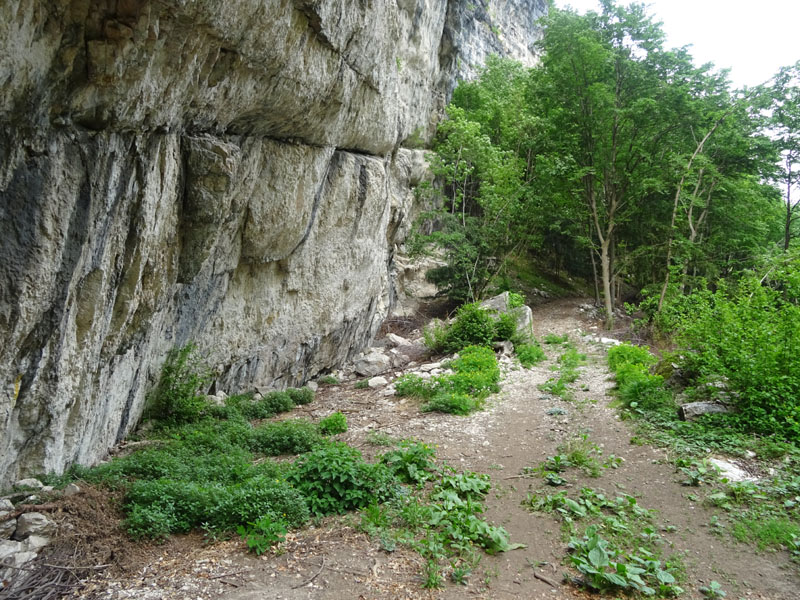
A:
[518,429]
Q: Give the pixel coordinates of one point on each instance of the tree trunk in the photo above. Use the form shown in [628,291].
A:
[594,275]
[605,266]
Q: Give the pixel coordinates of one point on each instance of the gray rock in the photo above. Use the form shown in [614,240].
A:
[251,200]
[505,348]
[31,484]
[34,543]
[8,527]
[692,410]
[9,548]
[429,367]
[312,385]
[522,314]
[6,504]
[377,382]
[395,340]
[373,363]
[71,489]
[33,523]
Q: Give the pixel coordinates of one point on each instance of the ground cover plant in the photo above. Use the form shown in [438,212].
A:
[476,374]
[568,363]
[764,513]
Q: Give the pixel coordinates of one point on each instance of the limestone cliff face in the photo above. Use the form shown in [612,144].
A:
[230,173]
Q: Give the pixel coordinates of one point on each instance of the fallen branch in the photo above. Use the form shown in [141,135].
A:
[549,582]
[313,577]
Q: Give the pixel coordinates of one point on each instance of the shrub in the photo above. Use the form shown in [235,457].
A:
[293,436]
[414,386]
[453,402]
[178,398]
[277,402]
[300,396]
[515,300]
[552,338]
[434,335]
[628,353]
[472,326]
[529,354]
[333,424]
[411,463]
[334,479]
[476,372]
[505,327]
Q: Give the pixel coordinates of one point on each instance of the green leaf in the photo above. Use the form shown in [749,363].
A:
[598,557]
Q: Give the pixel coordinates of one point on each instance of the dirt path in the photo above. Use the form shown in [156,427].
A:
[520,428]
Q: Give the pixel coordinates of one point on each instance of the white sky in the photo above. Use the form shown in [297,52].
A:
[753,39]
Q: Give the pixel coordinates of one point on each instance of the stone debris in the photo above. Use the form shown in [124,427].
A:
[394,340]
[71,489]
[377,382]
[33,524]
[730,471]
[373,363]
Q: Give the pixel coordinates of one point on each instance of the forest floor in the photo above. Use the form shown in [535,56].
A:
[519,428]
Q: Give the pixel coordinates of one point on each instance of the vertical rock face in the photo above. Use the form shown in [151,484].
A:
[228,173]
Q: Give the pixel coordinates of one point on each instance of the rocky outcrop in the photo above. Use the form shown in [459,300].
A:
[230,173]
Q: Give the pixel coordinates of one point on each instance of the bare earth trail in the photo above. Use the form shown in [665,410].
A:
[518,429]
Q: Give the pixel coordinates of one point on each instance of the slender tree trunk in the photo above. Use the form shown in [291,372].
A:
[787,233]
[594,275]
[605,266]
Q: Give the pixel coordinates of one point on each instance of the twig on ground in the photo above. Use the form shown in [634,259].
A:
[313,577]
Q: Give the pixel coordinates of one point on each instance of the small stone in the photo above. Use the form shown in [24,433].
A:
[430,367]
[6,504]
[389,391]
[31,484]
[396,340]
[376,382]
[7,528]
[33,523]
[35,543]
[373,363]
[48,489]
[312,385]
[71,489]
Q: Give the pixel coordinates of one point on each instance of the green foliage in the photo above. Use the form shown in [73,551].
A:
[529,354]
[293,436]
[747,334]
[334,479]
[262,534]
[333,424]
[178,398]
[301,396]
[362,385]
[414,386]
[505,327]
[412,463]
[329,380]
[434,335]
[454,403]
[515,300]
[553,338]
[628,353]
[472,326]
[713,590]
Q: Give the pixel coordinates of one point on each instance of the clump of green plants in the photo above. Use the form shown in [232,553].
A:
[515,300]
[476,375]
[630,354]
[293,436]
[301,396]
[333,424]
[334,478]
[529,354]
[362,384]
[179,396]
[472,326]
[568,364]
[555,339]
[329,380]
[412,462]
[262,534]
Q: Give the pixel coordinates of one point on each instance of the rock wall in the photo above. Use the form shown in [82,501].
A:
[230,173]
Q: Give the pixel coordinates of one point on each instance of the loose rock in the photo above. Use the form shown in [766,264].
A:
[377,382]
[33,523]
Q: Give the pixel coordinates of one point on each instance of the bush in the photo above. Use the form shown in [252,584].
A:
[414,386]
[334,479]
[505,328]
[476,372]
[286,437]
[333,424]
[515,300]
[472,326]
[628,353]
[411,463]
[434,335]
[453,402]
[277,402]
[300,396]
[179,396]
[529,354]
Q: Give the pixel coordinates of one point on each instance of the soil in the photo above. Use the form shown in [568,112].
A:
[519,428]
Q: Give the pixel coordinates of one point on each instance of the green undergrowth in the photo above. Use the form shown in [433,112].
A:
[217,473]
[476,375]
[568,363]
[765,513]
[613,543]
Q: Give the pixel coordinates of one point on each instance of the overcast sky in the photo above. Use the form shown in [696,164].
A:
[754,39]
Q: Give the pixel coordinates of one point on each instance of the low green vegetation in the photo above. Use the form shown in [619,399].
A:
[472,326]
[476,374]
[568,363]
[764,513]
[211,469]
[613,543]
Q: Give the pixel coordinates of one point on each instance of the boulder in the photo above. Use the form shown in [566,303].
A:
[522,314]
[377,382]
[692,410]
[6,504]
[7,528]
[71,490]
[31,484]
[373,363]
[33,523]
[393,340]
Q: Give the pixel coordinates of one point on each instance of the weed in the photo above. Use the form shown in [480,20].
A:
[378,438]
[333,424]
[529,354]
[262,534]
[300,396]
[178,398]
[293,436]
[713,590]
[411,463]
[554,339]
[329,380]
[362,385]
